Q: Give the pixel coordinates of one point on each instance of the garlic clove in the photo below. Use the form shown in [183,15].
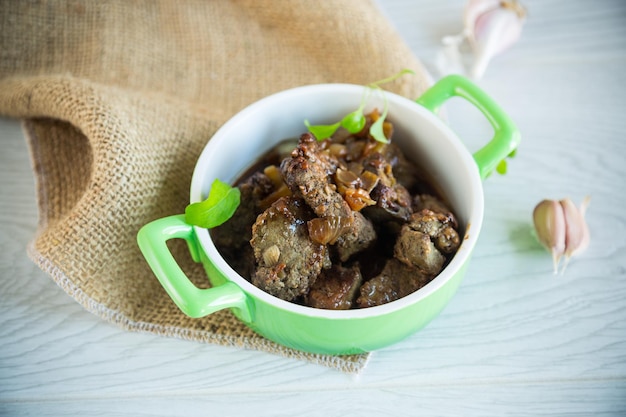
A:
[271,255]
[577,236]
[473,10]
[550,227]
[494,32]
[490,27]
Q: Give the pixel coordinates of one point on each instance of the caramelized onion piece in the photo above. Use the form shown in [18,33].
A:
[355,150]
[326,230]
[357,199]
[280,188]
[338,150]
[356,167]
[369,180]
[347,178]
[373,146]
[273,173]
[282,191]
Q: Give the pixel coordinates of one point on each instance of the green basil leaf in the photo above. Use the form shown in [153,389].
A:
[322,132]
[354,122]
[376,129]
[220,206]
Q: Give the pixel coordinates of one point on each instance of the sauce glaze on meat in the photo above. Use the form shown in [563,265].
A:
[343,223]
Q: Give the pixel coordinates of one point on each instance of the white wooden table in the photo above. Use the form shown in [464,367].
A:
[515,340]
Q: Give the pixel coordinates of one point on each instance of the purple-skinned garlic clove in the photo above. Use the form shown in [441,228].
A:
[561,228]
[490,27]
[577,235]
[494,32]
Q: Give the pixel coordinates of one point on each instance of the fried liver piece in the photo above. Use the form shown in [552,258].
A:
[440,227]
[432,203]
[335,288]
[404,171]
[308,174]
[233,237]
[287,260]
[396,280]
[356,238]
[423,241]
[393,201]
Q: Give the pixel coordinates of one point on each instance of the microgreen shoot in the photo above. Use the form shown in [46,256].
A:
[376,130]
[219,206]
[503,165]
[355,121]
[322,132]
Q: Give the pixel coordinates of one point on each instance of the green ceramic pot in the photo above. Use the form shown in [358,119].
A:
[423,136]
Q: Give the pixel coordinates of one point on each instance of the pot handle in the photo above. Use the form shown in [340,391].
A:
[193,301]
[506,137]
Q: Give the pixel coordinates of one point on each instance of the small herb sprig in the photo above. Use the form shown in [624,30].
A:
[219,206]
[355,121]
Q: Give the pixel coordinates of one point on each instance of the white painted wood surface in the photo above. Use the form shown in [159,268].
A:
[515,340]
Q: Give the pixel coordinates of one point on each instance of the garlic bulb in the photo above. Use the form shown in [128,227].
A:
[490,27]
[561,228]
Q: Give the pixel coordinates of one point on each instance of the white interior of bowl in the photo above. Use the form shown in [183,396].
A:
[424,138]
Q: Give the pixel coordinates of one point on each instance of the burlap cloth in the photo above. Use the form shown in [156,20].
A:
[118,99]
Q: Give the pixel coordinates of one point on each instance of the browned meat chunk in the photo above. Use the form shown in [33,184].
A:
[424,238]
[335,288]
[287,260]
[404,171]
[395,281]
[233,237]
[440,227]
[308,174]
[416,249]
[432,203]
[393,201]
[356,238]
[392,204]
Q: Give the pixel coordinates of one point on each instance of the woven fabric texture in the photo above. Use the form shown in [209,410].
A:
[119,98]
